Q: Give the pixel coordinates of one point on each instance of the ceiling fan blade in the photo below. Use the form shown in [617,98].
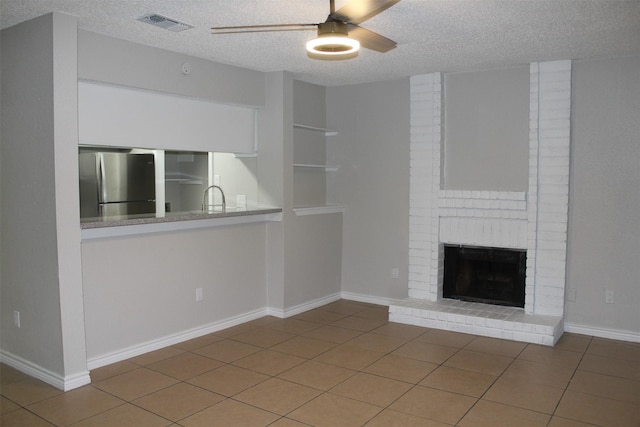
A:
[263,28]
[370,40]
[358,11]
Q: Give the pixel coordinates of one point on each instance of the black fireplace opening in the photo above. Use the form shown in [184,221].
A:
[487,275]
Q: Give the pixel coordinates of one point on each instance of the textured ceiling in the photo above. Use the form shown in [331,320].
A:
[432,35]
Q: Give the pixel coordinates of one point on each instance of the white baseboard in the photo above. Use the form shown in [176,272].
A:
[368,299]
[301,308]
[137,350]
[603,333]
[64,383]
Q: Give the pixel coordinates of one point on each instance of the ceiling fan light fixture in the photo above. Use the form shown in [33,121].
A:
[333,42]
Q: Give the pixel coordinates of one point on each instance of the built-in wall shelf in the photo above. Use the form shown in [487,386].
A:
[327,132]
[310,166]
[184,181]
[318,210]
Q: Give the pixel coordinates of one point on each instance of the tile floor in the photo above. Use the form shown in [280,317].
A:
[344,364]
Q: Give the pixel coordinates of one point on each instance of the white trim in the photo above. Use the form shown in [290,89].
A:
[64,383]
[318,210]
[603,333]
[368,299]
[136,229]
[301,308]
[136,350]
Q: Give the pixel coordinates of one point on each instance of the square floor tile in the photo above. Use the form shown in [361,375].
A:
[269,362]
[400,330]
[227,350]
[228,380]
[276,395]
[598,410]
[361,324]
[293,326]
[550,355]
[539,373]
[320,316]
[125,415]
[391,418]
[75,405]
[610,366]
[401,368]
[22,418]
[372,389]
[230,413]
[349,356]
[28,391]
[156,355]
[434,404]
[606,386]
[334,411]
[616,349]
[524,394]
[479,362]
[178,401]
[136,383]
[495,346]
[306,347]
[112,370]
[333,334]
[375,342]
[427,352]
[491,414]
[317,375]
[263,337]
[447,338]
[470,383]
[345,307]
[7,406]
[185,365]
[375,313]
[194,343]
[573,342]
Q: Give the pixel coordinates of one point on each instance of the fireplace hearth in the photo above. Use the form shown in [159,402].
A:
[487,275]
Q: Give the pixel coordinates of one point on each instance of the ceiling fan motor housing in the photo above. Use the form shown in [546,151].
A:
[333,29]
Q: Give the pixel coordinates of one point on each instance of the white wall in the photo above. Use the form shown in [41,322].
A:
[604,227]
[372,151]
[40,204]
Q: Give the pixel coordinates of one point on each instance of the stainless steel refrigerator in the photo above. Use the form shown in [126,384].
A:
[115,184]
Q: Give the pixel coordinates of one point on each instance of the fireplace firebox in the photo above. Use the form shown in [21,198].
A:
[487,275]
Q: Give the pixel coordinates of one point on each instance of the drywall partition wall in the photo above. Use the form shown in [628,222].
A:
[140,291]
[604,235]
[40,249]
[372,182]
[124,117]
[487,130]
[120,62]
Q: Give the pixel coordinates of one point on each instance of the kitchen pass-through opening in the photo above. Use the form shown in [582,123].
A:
[487,275]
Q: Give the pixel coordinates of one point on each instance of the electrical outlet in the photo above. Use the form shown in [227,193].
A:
[609,296]
[395,273]
[16,318]
[241,201]
[199,295]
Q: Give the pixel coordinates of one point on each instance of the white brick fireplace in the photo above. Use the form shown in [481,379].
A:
[535,220]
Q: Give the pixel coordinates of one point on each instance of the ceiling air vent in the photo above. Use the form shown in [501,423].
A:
[164,22]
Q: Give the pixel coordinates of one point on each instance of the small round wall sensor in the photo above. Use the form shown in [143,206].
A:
[186,68]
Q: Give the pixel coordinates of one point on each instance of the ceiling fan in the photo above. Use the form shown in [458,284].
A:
[340,36]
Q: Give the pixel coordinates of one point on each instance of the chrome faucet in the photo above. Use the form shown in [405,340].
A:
[204,199]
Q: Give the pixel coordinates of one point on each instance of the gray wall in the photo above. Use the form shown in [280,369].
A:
[487,130]
[103,59]
[40,250]
[604,221]
[372,151]
[140,289]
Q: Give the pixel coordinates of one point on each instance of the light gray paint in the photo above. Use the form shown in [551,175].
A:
[140,289]
[604,232]
[372,150]
[487,130]
[40,208]
[110,60]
